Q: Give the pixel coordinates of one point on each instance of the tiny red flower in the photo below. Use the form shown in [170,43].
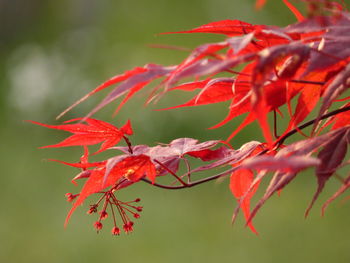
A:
[98,225]
[124,209]
[70,197]
[115,231]
[103,215]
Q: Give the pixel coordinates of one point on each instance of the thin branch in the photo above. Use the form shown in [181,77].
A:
[320,83]
[325,116]
[201,181]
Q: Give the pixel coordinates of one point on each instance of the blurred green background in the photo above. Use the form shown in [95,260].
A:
[52,53]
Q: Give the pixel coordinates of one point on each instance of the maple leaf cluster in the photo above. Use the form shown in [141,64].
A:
[302,69]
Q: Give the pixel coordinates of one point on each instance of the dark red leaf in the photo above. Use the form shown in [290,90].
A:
[132,85]
[114,80]
[233,157]
[339,84]
[197,54]
[341,190]
[331,157]
[280,163]
[277,183]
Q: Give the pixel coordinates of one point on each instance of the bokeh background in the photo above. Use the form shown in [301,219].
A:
[52,53]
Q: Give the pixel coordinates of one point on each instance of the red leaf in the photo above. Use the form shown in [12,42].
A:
[114,80]
[132,167]
[233,157]
[259,4]
[132,85]
[183,146]
[280,163]
[132,82]
[240,182]
[213,91]
[80,165]
[95,131]
[295,11]
[226,27]
[197,54]
[240,43]
[308,99]
[341,119]
[209,155]
[91,186]
[331,157]
[341,190]
[334,89]
[277,183]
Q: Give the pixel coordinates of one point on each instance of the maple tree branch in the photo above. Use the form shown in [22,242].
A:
[189,185]
[321,83]
[295,130]
[163,186]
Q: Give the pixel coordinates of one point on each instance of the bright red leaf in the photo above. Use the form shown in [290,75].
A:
[240,182]
[94,132]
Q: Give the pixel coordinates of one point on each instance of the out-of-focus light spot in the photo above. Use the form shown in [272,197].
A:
[42,82]
[31,73]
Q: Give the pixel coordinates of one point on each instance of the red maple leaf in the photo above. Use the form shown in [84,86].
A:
[240,182]
[94,132]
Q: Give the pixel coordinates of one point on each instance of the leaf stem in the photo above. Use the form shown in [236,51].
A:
[127,141]
[172,173]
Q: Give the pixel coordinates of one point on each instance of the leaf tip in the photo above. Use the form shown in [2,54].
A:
[127,129]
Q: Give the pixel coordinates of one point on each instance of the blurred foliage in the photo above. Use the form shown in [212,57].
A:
[52,53]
